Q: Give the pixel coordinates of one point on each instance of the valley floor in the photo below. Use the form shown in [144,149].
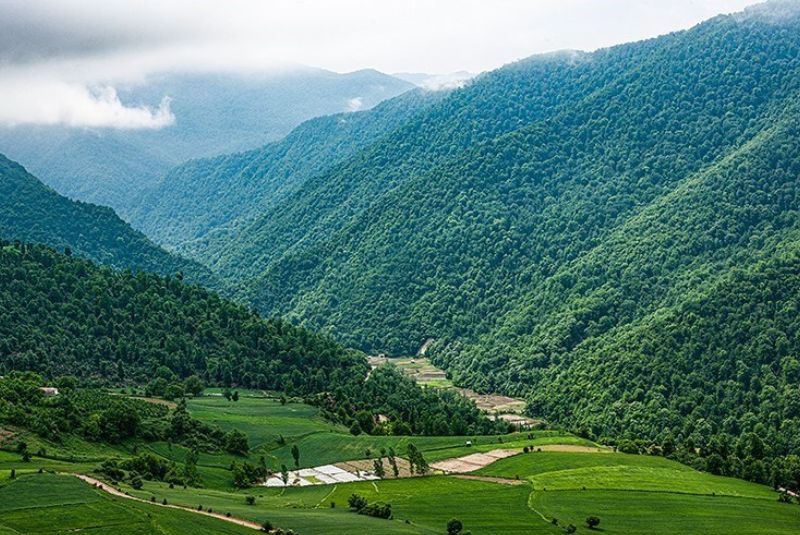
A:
[561,481]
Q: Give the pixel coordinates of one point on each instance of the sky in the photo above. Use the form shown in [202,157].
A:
[61,60]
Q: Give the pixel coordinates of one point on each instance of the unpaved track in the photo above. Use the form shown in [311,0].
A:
[111,490]
[475,461]
[572,448]
[490,479]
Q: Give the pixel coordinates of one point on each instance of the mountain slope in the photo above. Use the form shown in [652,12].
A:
[199,205]
[456,219]
[64,315]
[30,211]
[214,114]
[699,289]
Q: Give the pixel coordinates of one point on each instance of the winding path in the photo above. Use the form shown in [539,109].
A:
[111,490]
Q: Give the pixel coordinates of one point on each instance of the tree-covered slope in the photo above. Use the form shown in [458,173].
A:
[680,325]
[66,316]
[214,114]
[200,205]
[61,315]
[31,211]
[457,219]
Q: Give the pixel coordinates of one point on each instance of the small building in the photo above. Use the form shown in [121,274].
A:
[49,391]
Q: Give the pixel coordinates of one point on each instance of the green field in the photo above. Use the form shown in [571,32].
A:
[631,494]
[45,503]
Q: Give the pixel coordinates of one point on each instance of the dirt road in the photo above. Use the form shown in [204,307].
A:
[111,490]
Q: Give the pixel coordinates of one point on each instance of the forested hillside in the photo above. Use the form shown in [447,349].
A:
[612,235]
[214,114]
[455,219]
[31,211]
[62,316]
[199,206]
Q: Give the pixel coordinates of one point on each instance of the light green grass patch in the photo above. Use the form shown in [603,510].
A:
[656,513]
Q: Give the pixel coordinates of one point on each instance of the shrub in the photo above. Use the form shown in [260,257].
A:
[592,522]
[250,500]
[357,502]
[454,526]
[378,510]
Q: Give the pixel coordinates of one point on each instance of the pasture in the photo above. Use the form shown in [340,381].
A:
[46,504]
[569,480]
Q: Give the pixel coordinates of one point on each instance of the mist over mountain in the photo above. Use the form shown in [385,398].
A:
[213,114]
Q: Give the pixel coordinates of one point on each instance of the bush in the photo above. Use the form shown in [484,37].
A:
[357,502]
[454,526]
[250,500]
[592,522]
[377,510]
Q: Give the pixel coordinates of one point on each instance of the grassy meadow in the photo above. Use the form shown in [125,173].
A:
[523,494]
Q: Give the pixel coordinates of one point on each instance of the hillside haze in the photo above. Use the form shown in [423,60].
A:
[214,114]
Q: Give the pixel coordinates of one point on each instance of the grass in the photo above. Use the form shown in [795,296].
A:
[264,420]
[46,504]
[631,494]
[660,513]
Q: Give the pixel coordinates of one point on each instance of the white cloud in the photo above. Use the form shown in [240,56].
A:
[59,103]
[355,104]
[65,47]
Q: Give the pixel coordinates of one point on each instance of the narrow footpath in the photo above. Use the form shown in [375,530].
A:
[111,490]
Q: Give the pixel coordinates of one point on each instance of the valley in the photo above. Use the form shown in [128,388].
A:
[239,293]
[425,373]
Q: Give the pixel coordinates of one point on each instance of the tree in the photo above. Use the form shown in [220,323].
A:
[136,482]
[193,385]
[156,387]
[190,472]
[284,474]
[592,521]
[571,528]
[236,442]
[174,391]
[250,500]
[241,478]
[296,455]
[355,429]
[454,526]
[356,502]
[235,396]
[380,471]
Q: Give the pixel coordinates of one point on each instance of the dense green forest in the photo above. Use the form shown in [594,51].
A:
[31,211]
[560,227]
[452,221]
[215,113]
[199,206]
[64,316]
